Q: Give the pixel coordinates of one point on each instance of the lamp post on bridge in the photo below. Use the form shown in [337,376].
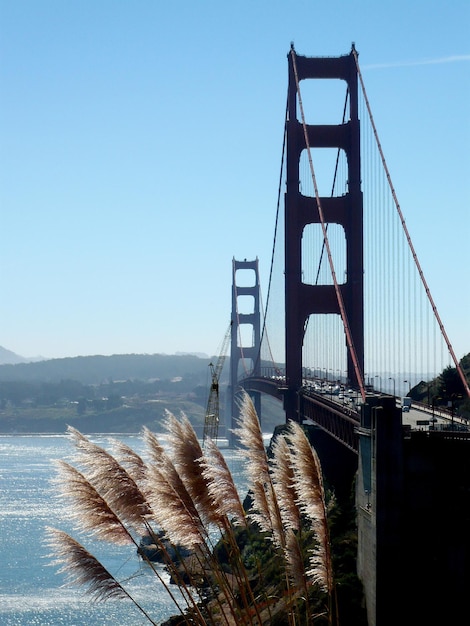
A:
[340,378]
[432,417]
[380,381]
[451,404]
[392,379]
[409,385]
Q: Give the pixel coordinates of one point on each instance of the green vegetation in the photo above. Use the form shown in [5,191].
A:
[119,393]
[109,407]
[92,370]
[446,389]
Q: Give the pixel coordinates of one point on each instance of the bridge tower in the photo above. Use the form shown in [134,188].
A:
[301,299]
[245,318]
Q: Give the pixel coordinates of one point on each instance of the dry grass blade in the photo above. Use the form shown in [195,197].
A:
[320,561]
[250,435]
[257,468]
[81,567]
[186,454]
[187,459]
[154,447]
[173,509]
[311,498]
[128,458]
[260,512]
[283,479]
[222,490]
[111,480]
[295,562]
[90,509]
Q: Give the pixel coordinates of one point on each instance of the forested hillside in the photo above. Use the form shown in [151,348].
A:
[119,393]
[91,370]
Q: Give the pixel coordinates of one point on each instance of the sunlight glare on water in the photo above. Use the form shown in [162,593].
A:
[32,592]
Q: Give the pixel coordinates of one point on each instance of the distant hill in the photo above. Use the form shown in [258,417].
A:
[201,355]
[94,370]
[10,358]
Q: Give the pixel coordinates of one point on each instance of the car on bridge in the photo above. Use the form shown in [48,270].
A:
[405,405]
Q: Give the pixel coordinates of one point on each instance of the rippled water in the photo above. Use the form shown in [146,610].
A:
[31,590]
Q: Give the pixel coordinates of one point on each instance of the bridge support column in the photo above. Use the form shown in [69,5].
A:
[379,503]
[244,356]
[413,507]
[303,299]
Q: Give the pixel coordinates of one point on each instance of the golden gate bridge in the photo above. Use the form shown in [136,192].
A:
[347,300]
[348,305]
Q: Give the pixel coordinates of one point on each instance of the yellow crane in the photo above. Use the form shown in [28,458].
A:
[211,423]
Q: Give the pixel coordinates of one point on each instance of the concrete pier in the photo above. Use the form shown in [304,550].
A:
[413,513]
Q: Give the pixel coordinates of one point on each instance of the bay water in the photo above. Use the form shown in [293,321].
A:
[32,592]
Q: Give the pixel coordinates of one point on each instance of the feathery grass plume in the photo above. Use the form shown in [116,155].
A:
[177,512]
[226,501]
[91,511]
[220,484]
[93,514]
[295,562]
[186,452]
[249,435]
[284,482]
[82,568]
[311,498]
[187,458]
[173,508]
[283,479]
[128,458]
[265,511]
[154,447]
[111,480]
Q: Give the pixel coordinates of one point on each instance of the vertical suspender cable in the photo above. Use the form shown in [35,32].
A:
[264,332]
[410,243]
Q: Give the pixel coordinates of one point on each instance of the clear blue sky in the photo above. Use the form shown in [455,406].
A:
[140,147]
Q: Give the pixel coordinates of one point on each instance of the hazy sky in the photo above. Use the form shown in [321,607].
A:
[140,148]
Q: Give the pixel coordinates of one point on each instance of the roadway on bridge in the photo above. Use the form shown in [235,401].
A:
[425,418]
[419,417]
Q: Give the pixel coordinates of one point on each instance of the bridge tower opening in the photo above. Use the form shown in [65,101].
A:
[303,299]
[245,345]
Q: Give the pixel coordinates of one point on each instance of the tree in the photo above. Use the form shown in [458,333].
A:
[81,405]
[450,383]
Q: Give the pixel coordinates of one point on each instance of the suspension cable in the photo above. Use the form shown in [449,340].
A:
[350,343]
[408,237]
[264,330]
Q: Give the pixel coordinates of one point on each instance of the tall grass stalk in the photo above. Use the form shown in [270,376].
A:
[268,510]
[185,499]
